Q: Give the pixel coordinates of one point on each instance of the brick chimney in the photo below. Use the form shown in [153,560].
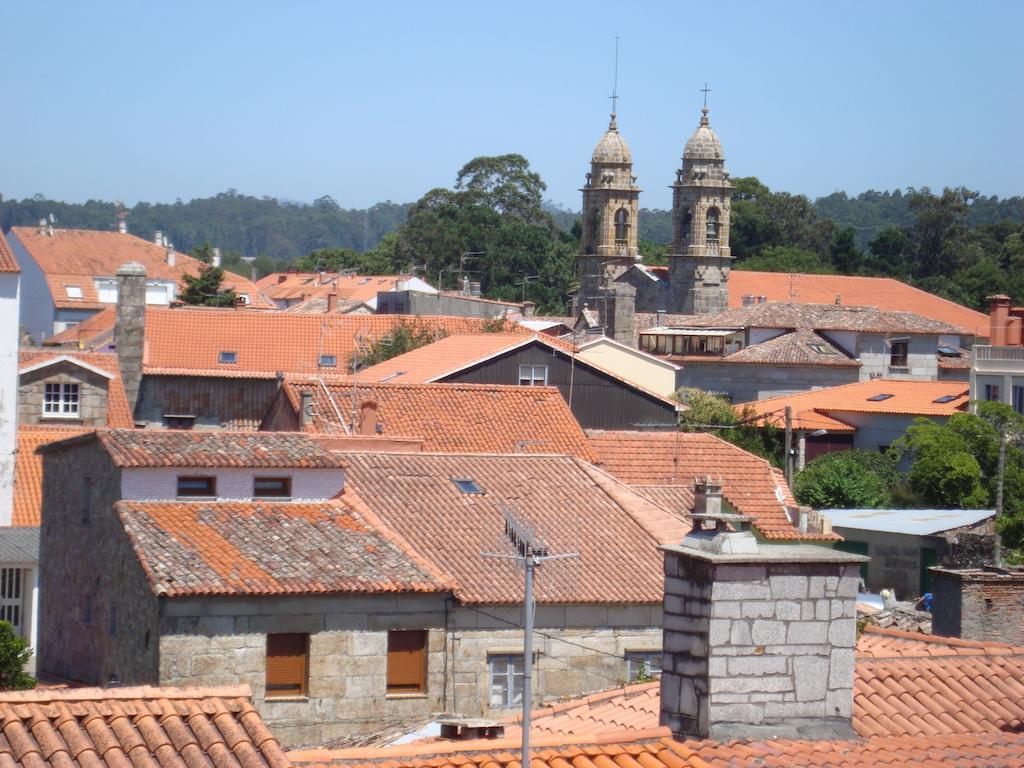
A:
[758,638]
[130,327]
[998,317]
[618,304]
[332,302]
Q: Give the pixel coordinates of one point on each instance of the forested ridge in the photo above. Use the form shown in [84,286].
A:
[956,243]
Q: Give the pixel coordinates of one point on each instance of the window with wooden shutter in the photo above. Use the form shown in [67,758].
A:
[407,661]
[287,664]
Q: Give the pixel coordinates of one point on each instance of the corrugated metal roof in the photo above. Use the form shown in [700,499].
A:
[19,545]
[916,522]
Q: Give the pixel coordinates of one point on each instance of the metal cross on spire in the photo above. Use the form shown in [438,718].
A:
[705,90]
[615,84]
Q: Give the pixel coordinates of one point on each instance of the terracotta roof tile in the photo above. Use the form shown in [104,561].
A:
[801,347]
[7,261]
[93,332]
[283,286]
[415,494]
[77,256]
[820,317]
[120,727]
[884,293]
[263,548]
[118,413]
[654,749]
[749,483]
[28,471]
[458,418]
[824,408]
[174,448]
[189,341]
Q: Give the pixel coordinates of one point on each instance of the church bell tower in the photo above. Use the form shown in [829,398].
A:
[700,258]
[611,203]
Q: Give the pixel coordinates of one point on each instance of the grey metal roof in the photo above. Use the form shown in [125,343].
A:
[19,545]
[916,522]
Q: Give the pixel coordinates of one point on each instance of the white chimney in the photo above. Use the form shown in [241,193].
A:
[216,257]
[122,226]
[170,255]
[42,226]
[158,237]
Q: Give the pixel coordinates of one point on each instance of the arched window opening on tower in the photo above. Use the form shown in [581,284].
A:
[684,226]
[712,219]
[621,226]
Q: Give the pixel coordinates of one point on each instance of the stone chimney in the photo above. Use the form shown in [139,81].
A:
[707,496]
[529,309]
[130,327]
[215,261]
[618,304]
[979,603]
[998,318]
[758,638]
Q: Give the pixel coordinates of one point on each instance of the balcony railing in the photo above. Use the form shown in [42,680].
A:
[999,354]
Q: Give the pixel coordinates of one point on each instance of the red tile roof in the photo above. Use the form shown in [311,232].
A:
[749,483]
[415,494]
[7,261]
[308,285]
[95,331]
[28,471]
[219,448]
[824,408]
[118,412]
[138,726]
[77,256]
[263,548]
[655,749]
[884,293]
[189,341]
[458,418]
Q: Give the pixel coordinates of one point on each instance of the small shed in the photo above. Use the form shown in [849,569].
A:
[904,543]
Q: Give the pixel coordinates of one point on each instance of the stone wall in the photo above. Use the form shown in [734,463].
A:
[744,383]
[92,395]
[85,557]
[978,605]
[749,645]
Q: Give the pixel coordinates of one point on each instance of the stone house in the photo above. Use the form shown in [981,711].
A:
[348,590]
[70,389]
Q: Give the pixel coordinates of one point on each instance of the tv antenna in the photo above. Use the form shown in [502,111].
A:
[529,551]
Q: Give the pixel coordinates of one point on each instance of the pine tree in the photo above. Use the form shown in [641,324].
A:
[205,288]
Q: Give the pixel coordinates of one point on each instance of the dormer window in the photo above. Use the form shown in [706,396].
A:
[197,487]
[272,488]
[227,357]
[60,400]
[73,291]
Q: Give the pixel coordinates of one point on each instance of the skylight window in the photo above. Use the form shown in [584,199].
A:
[879,398]
[467,485]
[391,376]
[227,357]
[945,399]
[945,351]
[822,349]
[328,361]
[73,291]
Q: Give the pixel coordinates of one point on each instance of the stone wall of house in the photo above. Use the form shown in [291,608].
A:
[978,605]
[744,383]
[92,395]
[579,649]
[97,615]
[751,644]
[874,352]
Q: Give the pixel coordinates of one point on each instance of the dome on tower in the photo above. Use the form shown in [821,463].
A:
[612,147]
[703,144]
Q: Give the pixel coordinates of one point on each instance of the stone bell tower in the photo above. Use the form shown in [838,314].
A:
[611,203]
[700,258]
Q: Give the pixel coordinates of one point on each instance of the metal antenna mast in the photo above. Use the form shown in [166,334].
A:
[529,550]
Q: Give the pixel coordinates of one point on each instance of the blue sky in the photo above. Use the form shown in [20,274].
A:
[384,100]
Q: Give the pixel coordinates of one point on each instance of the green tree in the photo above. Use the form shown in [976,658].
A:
[888,253]
[205,288]
[14,655]
[854,479]
[943,472]
[714,414]
[843,252]
[785,258]
[404,337]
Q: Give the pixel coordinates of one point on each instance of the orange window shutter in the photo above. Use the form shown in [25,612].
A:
[287,664]
[407,661]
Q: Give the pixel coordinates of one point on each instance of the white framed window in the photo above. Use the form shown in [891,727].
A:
[506,679]
[533,375]
[106,291]
[643,665]
[60,400]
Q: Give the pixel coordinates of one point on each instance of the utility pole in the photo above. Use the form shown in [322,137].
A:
[997,543]
[789,445]
[530,551]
